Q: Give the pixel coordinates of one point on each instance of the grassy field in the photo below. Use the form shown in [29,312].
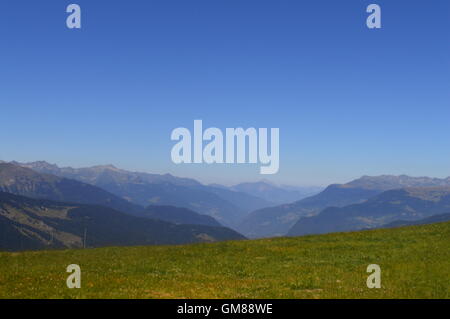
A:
[415,263]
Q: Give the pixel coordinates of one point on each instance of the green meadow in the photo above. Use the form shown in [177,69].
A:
[415,263]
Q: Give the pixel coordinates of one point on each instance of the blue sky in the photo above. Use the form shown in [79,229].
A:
[349,101]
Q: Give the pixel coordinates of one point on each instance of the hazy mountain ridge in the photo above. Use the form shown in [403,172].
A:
[28,224]
[407,204]
[107,173]
[144,189]
[274,193]
[236,206]
[27,182]
[387,182]
[179,215]
[278,220]
[245,202]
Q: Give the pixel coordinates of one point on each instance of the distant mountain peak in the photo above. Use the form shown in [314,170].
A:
[40,164]
[47,165]
[110,167]
[386,182]
[268,182]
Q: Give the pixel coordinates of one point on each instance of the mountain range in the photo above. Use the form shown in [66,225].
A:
[408,204]
[248,208]
[28,224]
[27,182]
[278,220]
[227,206]
[276,194]
[35,207]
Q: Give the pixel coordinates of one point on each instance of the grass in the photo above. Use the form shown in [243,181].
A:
[415,263]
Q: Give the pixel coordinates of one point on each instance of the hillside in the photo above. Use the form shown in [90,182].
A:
[401,204]
[415,263]
[179,215]
[276,221]
[430,220]
[26,182]
[27,224]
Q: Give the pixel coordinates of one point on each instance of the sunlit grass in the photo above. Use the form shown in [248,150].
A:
[415,263]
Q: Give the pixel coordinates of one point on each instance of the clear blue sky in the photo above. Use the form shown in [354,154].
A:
[349,101]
